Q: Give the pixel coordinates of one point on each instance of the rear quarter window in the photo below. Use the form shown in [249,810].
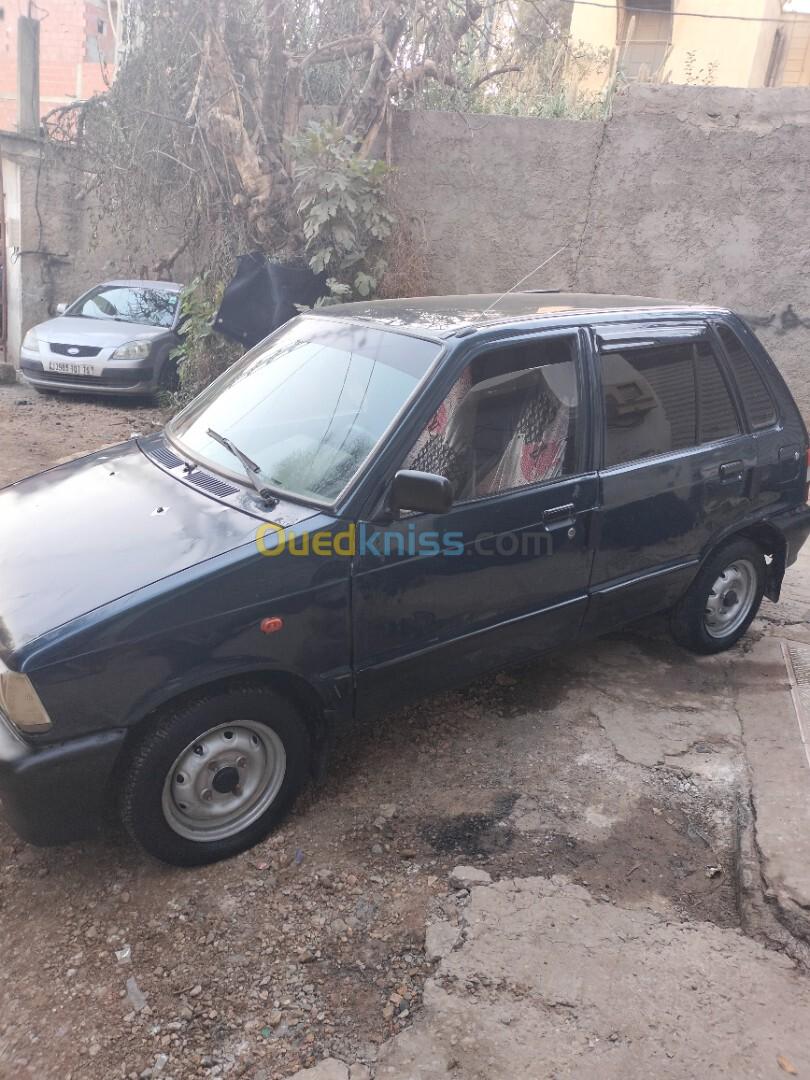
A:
[759,405]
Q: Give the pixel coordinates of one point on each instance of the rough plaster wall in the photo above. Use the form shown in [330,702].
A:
[689,193]
[67,246]
[702,194]
[493,196]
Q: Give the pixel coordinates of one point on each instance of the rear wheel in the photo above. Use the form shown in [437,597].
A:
[213,777]
[723,599]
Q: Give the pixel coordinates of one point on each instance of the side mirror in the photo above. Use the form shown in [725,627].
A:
[61,309]
[421,491]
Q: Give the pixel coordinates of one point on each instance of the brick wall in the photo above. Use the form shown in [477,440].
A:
[76,42]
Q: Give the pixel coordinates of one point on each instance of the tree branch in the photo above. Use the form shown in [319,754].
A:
[493,75]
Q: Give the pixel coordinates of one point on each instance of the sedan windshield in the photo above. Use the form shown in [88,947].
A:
[309,405]
[128,303]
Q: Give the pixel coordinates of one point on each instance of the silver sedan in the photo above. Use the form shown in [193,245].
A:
[118,338]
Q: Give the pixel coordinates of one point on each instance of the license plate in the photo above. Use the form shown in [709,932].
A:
[66,367]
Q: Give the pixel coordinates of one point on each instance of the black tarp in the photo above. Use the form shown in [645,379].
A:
[262,295]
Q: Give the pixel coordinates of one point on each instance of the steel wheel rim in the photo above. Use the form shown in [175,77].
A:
[223,781]
[731,598]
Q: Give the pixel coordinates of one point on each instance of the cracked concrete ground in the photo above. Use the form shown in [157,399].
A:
[550,981]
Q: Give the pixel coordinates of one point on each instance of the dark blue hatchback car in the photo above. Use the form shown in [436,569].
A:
[380,500]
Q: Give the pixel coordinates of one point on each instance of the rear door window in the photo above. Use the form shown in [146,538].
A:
[755,394]
[663,398]
[649,402]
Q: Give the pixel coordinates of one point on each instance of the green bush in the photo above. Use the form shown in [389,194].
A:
[202,354]
[342,205]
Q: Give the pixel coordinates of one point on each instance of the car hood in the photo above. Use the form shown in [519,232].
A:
[88,532]
[104,333]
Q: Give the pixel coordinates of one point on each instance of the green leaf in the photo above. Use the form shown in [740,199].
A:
[338,288]
[320,260]
[364,284]
[343,236]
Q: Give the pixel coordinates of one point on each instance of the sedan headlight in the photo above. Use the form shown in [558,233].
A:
[133,350]
[31,341]
[20,702]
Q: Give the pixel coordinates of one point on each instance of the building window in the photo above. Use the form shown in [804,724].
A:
[774,71]
[644,37]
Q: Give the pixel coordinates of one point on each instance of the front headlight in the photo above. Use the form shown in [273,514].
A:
[133,350]
[31,341]
[20,702]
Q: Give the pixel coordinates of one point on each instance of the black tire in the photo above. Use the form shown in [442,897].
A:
[168,377]
[688,619]
[155,756]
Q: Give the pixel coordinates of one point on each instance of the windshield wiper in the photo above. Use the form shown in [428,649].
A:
[253,472]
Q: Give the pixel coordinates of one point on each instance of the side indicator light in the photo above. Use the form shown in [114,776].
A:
[271,626]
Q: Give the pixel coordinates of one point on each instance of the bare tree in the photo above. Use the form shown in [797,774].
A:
[200,122]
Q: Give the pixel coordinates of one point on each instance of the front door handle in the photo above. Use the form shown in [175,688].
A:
[731,470]
[558,517]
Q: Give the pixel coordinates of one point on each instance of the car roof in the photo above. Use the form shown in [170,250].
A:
[141,282]
[444,316]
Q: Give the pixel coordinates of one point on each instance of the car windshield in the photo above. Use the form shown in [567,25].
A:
[308,405]
[128,303]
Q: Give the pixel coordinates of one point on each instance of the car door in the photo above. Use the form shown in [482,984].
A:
[676,466]
[439,599]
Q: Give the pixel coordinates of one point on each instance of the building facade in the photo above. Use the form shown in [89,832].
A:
[741,43]
[77,41]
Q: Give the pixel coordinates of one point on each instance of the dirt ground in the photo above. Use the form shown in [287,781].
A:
[618,765]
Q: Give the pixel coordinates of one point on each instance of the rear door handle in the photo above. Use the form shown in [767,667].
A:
[790,459]
[731,470]
[557,517]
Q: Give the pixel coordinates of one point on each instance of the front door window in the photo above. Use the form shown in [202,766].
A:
[510,421]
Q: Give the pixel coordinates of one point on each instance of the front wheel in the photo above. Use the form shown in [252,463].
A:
[722,601]
[168,377]
[212,778]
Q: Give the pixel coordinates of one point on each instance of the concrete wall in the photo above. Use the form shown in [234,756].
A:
[689,193]
[58,245]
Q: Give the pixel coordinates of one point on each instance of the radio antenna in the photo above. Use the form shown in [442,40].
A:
[531,273]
